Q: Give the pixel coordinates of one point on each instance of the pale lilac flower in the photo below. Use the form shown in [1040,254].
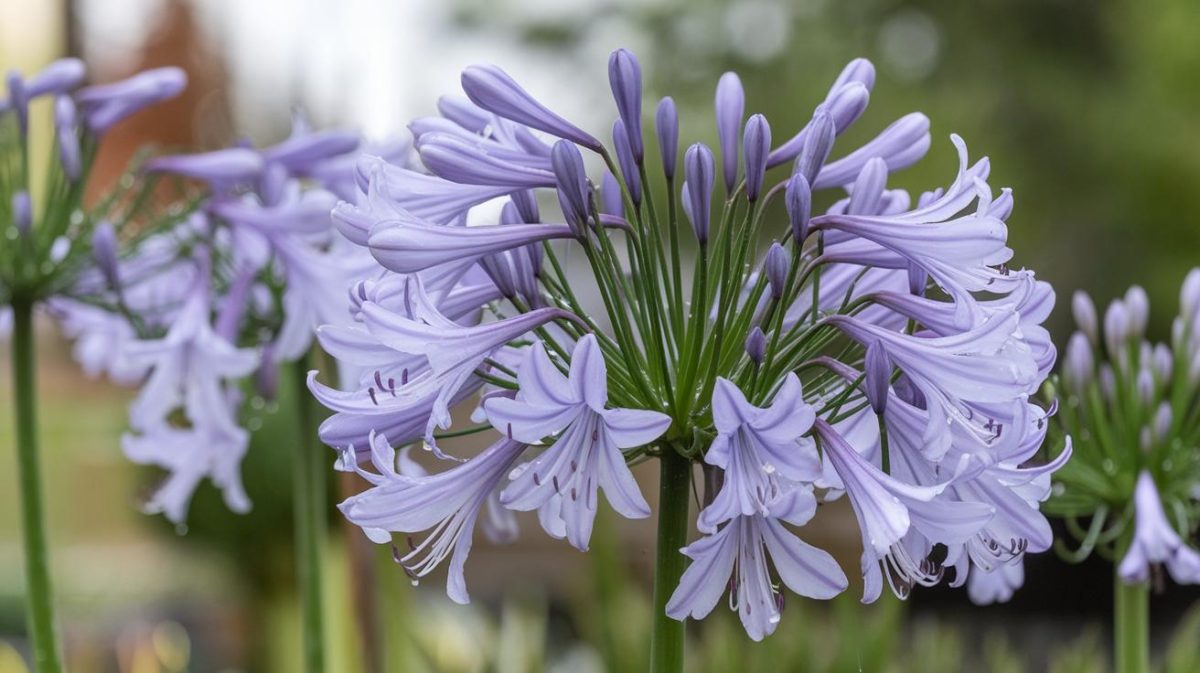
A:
[761,451]
[736,556]
[406,244]
[585,456]
[730,104]
[492,89]
[998,585]
[446,504]
[1155,540]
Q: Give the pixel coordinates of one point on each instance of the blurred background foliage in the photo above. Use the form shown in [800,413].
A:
[1089,110]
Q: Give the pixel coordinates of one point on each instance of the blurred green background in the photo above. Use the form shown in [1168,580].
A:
[1090,111]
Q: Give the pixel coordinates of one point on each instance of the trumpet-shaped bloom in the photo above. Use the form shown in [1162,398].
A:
[585,456]
[760,450]
[446,504]
[736,557]
[1155,540]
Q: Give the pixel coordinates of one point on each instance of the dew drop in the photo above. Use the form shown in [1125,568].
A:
[415,582]
[1109,466]
[181,529]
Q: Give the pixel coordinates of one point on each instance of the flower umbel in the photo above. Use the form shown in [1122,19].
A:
[854,354]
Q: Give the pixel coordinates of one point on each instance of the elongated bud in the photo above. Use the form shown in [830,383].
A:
[798,200]
[1189,295]
[625,78]
[492,89]
[877,366]
[698,172]
[1084,310]
[68,138]
[1079,363]
[266,379]
[858,71]
[843,106]
[867,191]
[18,100]
[22,212]
[777,264]
[756,145]
[1138,305]
[627,162]
[1164,362]
[1162,420]
[730,106]
[756,345]
[1145,386]
[104,251]
[572,184]
[666,126]
[818,143]
[611,202]
[1116,328]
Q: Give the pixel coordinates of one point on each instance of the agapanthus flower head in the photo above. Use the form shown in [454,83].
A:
[1130,405]
[893,325]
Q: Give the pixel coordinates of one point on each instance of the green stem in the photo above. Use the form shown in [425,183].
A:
[666,648]
[308,483]
[39,609]
[1131,626]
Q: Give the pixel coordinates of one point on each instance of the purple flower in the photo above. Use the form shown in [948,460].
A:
[492,89]
[446,504]
[737,556]
[571,178]
[818,143]
[760,450]
[997,585]
[798,200]
[106,104]
[1155,540]
[585,456]
[458,160]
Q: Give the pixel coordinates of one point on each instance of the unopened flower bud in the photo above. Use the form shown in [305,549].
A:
[266,379]
[572,184]
[698,169]
[666,125]
[1189,295]
[818,142]
[1116,328]
[104,252]
[1145,386]
[611,201]
[625,78]
[756,144]
[730,104]
[868,188]
[777,265]
[798,199]
[1079,363]
[22,212]
[756,345]
[1108,383]
[627,161]
[1138,306]
[1084,310]
[1162,421]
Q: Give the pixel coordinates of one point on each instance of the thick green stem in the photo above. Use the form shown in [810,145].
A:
[308,476]
[666,648]
[39,606]
[1131,626]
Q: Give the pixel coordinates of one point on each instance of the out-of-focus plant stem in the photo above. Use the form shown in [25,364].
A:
[309,489]
[39,606]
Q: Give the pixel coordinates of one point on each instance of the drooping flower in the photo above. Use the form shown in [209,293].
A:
[1155,540]
[585,457]
[446,504]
